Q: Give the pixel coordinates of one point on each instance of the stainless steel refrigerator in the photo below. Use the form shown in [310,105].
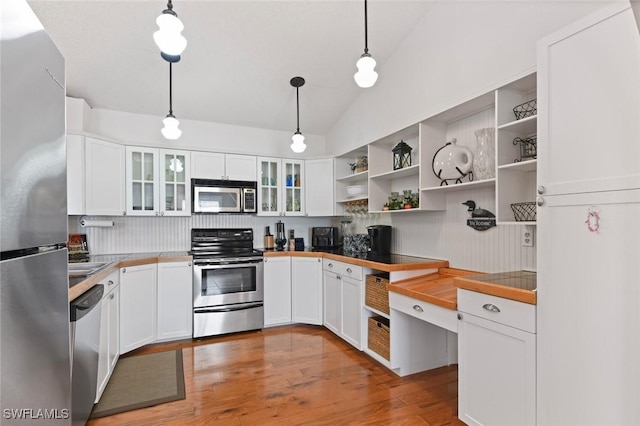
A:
[34,310]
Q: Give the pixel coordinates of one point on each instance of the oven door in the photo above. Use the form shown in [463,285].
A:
[227,282]
[212,199]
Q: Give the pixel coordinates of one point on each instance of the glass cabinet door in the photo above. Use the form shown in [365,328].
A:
[175,184]
[142,174]
[293,176]
[269,187]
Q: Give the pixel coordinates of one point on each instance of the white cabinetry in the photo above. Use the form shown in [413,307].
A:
[280,187]
[277,290]
[319,185]
[105,178]
[157,182]
[75,175]
[497,360]
[306,290]
[212,165]
[343,300]
[175,300]
[138,306]
[588,293]
[109,331]
[292,290]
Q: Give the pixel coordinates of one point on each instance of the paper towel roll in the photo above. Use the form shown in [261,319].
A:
[97,223]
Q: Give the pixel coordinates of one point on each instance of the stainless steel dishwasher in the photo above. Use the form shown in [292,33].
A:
[85,311]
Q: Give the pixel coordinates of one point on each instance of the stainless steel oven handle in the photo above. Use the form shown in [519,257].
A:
[227,260]
[228,308]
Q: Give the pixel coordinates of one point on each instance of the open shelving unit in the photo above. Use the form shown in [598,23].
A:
[514,181]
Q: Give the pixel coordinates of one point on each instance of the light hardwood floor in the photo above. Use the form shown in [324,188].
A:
[295,375]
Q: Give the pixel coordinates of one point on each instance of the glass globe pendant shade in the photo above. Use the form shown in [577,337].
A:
[298,144]
[366,75]
[170,129]
[168,37]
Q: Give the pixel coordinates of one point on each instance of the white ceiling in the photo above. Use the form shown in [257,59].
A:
[239,58]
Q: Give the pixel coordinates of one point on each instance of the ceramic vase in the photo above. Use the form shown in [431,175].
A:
[484,157]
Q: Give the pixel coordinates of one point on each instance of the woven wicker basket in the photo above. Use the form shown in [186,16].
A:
[376,294]
[379,336]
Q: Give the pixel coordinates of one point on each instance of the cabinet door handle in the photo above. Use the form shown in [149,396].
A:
[418,308]
[349,270]
[491,307]
[161,213]
[459,316]
[541,190]
[189,264]
[124,213]
[330,265]
[540,201]
[124,270]
[318,259]
[112,296]
[110,283]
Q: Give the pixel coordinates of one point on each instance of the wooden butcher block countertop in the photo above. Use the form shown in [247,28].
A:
[78,285]
[516,285]
[437,288]
[390,263]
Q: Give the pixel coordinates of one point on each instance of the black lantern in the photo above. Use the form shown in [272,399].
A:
[401,156]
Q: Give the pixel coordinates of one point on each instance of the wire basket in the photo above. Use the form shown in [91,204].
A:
[524,212]
[526,109]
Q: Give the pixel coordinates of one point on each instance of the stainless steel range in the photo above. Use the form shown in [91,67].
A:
[228,289]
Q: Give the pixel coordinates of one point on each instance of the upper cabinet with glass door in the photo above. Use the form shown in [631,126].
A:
[142,181]
[157,182]
[280,187]
[175,191]
[293,176]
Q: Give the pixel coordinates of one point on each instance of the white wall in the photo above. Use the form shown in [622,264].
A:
[144,130]
[459,50]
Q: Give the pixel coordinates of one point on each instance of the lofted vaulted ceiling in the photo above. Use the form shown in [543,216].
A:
[239,59]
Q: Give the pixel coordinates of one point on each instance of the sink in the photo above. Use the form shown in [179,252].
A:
[85,268]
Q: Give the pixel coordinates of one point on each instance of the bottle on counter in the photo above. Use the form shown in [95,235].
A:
[292,240]
[268,239]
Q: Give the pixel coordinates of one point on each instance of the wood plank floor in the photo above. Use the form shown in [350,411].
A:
[295,375]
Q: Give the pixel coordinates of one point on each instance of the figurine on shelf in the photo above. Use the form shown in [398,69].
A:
[452,162]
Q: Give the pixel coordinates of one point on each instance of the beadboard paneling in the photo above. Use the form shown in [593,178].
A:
[158,234]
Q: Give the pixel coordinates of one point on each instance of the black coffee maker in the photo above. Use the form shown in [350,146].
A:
[379,240]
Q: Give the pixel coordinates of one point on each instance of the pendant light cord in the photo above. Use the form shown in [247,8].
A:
[298,109]
[170,88]
[366,48]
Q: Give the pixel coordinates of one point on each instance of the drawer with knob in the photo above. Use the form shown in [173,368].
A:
[504,311]
[425,311]
[343,269]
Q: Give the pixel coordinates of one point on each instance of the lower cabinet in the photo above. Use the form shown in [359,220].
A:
[497,360]
[155,303]
[292,290]
[343,300]
[175,300]
[277,290]
[109,331]
[138,306]
[306,290]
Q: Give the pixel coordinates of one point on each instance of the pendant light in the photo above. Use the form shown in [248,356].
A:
[168,37]
[366,75]
[297,144]
[171,123]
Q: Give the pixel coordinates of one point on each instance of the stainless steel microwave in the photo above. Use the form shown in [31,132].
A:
[223,196]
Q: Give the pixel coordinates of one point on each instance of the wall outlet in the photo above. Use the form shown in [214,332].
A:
[527,236]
